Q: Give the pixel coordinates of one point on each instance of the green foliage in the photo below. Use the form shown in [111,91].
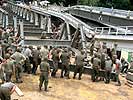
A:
[118,4]
[121,4]
[88,2]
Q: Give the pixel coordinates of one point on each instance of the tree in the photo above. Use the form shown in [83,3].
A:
[70,2]
[121,4]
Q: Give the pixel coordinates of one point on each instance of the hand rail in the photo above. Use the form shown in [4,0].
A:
[121,30]
[111,11]
[3,11]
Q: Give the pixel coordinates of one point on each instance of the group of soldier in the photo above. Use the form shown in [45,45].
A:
[15,59]
[10,54]
[106,63]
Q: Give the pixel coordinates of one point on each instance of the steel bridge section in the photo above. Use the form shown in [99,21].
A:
[48,42]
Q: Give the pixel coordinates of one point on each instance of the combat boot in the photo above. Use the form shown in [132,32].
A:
[74,77]
[79,78]
[46,89]
[117,84]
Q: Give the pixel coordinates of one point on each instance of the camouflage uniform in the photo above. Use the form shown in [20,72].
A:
[6,90]
[19,61]
[44,69]
[65,64]
[95,68]
[124,66]
[44,52]
[8,68]
[117,71]
[28,55]
[79,65]
[5,94]
[56,59]
[1,73]
[108,68]
[36,56]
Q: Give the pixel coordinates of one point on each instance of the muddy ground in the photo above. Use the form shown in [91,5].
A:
[73,89]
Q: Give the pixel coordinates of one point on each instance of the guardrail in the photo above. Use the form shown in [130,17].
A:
[108,11]
[3,18]
[3,11]
[121,30]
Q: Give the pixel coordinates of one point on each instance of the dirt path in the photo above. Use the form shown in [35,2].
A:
[63,89]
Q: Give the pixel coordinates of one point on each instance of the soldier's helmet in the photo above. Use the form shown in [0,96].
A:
[38,47]
[8,49]
[108,58]
[7,56]
[98,55]
[82,51]
[65,49]
[18,49]
[11,34]
[95,54]
[5,41]
[30,47]
[115,56]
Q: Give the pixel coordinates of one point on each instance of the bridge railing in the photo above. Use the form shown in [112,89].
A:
[3,18]
[121,30]
[111,11]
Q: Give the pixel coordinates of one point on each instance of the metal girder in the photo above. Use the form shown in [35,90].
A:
[63,31]
[83,40]
[75,37]
[47,42]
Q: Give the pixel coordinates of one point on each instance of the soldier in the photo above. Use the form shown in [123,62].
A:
[56,59]
[65,63]
[19,61]
[1,70]
[108,68]
[92,45]
[44,52]
[103,55]
[45,70]
[1,31]
[95,68]
[124,66]
[0,50]
[6,90]
[4,46]
[8,68]
[36,56]
[91,49]
[27,53]
[9,51]
[79,65]
[117,70]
